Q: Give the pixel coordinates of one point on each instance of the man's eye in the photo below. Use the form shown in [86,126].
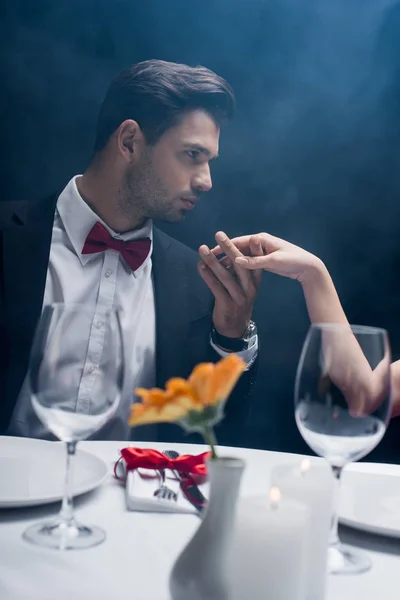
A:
[193,154]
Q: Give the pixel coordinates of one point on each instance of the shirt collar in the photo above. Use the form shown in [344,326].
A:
[78,219]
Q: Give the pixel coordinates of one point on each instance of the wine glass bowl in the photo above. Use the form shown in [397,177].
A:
[76,376]
[343,405]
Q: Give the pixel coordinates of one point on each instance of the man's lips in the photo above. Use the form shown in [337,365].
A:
[190,203]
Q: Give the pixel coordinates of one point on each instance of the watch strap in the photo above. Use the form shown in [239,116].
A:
[227,343]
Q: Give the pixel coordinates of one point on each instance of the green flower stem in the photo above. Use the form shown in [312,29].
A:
[209,437]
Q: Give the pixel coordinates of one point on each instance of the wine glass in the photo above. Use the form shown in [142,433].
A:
[342,408]
[76,377]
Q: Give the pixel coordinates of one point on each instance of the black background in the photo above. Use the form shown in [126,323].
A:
[312,155]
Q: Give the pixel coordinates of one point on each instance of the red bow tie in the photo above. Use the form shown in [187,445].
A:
[99,240]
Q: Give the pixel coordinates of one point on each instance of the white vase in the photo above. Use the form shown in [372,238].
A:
[200,572]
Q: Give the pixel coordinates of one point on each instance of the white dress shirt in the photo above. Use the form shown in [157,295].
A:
[100,281]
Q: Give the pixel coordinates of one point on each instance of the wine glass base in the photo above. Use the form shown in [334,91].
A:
[62,536]
[346,560]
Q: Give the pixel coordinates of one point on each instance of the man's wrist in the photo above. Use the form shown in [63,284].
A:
[235,344]
[249,355]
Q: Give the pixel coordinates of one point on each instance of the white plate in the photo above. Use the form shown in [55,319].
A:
[370,498]
[32,472]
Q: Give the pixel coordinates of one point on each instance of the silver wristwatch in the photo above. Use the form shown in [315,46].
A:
[235,344]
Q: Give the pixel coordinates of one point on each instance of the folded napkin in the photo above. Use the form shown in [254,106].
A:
[139,468]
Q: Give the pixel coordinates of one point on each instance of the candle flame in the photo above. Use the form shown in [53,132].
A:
[275,496]
[305,465]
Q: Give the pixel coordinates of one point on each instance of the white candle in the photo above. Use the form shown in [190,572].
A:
[268,550]
[311,483]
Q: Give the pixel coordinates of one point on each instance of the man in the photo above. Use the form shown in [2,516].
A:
[157,132]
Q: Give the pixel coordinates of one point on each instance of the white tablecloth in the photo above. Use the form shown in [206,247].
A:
[135,560]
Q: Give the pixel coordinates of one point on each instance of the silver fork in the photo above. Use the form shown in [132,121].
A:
[164,491]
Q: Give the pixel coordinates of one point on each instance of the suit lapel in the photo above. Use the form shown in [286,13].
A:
[172,310]
[26,247]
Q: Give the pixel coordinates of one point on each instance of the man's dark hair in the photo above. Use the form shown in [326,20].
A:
[157,94]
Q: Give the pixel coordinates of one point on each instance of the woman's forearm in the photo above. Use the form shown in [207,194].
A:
[345,362]
[321,297]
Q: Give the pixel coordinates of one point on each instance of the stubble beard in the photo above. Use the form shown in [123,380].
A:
[144,196]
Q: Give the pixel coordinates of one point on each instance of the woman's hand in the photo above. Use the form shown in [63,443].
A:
[264,251]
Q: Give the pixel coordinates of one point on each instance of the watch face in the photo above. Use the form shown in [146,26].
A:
[251,330]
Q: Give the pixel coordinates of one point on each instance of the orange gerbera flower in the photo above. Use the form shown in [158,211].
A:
[212,383]
[208,385]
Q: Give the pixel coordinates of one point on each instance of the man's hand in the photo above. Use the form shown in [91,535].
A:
[234,288]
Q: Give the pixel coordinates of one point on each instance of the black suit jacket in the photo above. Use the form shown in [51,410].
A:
[183,306]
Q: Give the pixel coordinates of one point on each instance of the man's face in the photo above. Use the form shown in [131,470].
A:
[170,176]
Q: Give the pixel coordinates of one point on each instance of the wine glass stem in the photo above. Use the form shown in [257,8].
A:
[67,507]
[334,536]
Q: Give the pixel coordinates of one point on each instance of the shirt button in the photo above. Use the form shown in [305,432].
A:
[99,324]
[108,273]
[91,369]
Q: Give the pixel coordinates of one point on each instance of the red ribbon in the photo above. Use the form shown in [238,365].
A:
[136,458]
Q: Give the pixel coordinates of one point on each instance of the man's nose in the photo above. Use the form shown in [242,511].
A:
[202,180]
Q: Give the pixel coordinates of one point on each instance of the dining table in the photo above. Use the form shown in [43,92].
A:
[135,560]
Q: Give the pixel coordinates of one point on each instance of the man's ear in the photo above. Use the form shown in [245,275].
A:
[130,140]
